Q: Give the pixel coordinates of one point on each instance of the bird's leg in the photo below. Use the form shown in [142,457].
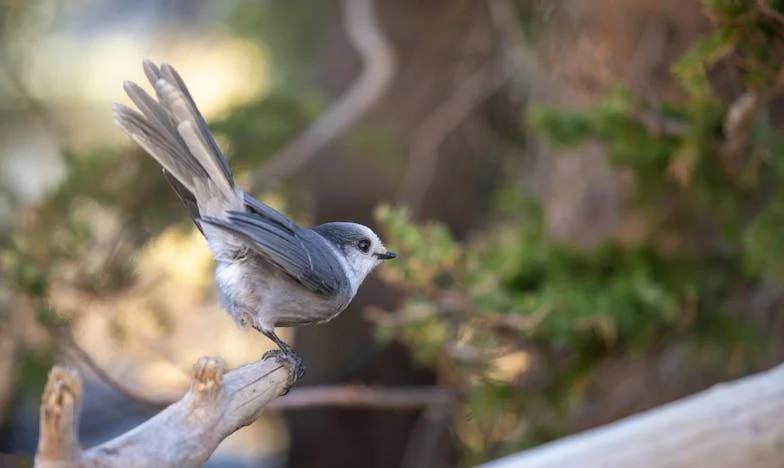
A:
[286,352]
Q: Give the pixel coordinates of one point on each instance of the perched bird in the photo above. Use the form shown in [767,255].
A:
[270,272]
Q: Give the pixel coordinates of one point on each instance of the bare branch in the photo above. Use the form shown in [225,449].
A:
[378,69]
[740,117]
[520,60]
[769,11]
[468,94]
[734,425]
[184,434]
[349,396]
[360,396]
[69,342]
[428,136]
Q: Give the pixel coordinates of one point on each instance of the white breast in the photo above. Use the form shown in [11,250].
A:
[355,278]
[229,275]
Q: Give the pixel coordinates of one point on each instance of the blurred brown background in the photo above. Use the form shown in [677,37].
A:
[442,136]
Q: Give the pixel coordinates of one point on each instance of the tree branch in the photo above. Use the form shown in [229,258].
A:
[470,90]
[428,136]
[68,341]
[378,68]
[359,396]
[731,425]
[184,434]
[765,7]
[347,396]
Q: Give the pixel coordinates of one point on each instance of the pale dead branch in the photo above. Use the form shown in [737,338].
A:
[733,425]
[378,69]
[184,434]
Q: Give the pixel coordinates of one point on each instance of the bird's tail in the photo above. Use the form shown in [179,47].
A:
[173,131]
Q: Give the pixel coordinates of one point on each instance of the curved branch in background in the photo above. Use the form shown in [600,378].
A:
[428,136]
[732,425]
[768,10]
[69,343]
[184,434]
[345,396]
[378,69]
[472,90]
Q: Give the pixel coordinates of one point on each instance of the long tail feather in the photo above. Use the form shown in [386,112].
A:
[173,131]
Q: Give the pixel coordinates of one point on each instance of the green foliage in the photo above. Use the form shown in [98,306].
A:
[516,289]
[744,32]
[706,175]
[692,68]
[763,243]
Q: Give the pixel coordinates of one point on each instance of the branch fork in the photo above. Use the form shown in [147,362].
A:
[184,434]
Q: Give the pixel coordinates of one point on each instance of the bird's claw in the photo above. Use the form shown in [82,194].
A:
[292,361]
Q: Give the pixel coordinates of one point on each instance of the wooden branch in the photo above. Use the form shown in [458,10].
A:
[361,396]
[347,396]
[184,434]
[731,425]
[61,402]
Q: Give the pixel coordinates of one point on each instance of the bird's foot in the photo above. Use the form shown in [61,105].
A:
[292,361]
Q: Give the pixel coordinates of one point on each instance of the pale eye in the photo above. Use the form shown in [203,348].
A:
[364,245]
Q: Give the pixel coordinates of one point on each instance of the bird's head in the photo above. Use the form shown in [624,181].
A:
[361,248]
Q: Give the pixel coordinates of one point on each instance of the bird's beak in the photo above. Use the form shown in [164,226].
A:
[386,255]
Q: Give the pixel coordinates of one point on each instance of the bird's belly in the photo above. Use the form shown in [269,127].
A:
[263,294]
[293,311]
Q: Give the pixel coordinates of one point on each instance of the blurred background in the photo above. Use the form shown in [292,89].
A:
[586,198]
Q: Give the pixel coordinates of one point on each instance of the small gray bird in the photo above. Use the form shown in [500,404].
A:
[270,272]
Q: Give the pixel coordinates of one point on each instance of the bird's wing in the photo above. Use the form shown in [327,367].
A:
[301,253]
[270,213]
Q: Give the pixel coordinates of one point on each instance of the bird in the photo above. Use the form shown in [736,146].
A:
[269,271]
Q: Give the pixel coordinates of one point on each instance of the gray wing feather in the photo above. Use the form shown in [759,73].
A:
[299,252]
[266,211]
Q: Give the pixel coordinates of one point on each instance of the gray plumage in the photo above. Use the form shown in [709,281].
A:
[270,272]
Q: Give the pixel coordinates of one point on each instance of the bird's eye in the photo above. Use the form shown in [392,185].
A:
[364,245]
